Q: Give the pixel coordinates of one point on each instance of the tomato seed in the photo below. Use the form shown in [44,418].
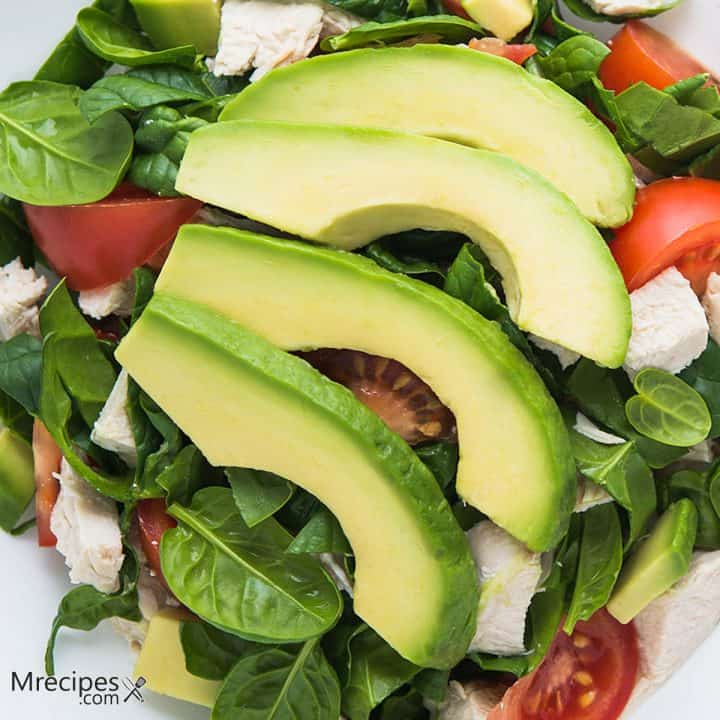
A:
[580,640]
[583,678]
[587,699]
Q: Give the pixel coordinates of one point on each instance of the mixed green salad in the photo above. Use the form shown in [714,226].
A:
[362,357]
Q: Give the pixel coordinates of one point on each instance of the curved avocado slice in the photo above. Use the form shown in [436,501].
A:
[246,403]
[299,296]
[462,95]
[17,478]
[347,186]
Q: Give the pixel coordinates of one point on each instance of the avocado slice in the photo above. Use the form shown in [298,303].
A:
[347,186]
[17,478]
[503,18]
[246,403]
[280,289]
[170,23]
[662,559]
[462,95]
[162,663]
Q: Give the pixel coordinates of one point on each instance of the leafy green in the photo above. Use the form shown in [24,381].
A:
[21,371]
[322,534]
[407,705]
[439,246]
[187,473]
[382,10]
[240,579]
[704,377]
[442,459]
[447,28]
[211,653]
[50,155]
[406,264]
[144,280]
[584,11]
[14,416]
[574,62]
[706,165]
[116,42]
[258,494]
[291,683]
[667,409]
[162,136]
[15,237]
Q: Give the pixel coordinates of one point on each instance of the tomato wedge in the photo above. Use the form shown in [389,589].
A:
[153,522]
[589,675]
[47,458]
[639,52]
[676,222]
[455,8]
[102,243]
[517,53]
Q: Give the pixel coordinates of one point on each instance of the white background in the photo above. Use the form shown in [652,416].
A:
[34,580]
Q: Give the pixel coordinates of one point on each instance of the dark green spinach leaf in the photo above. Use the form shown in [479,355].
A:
[322,534]
[21,371]
[442,459]
[704,377]
[574,62]
[258,494]
[405,264]
[15,237]
[187,473]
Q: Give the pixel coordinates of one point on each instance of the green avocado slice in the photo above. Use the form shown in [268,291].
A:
[17,478]
[300,296]
[346,186]
[246,403]
[462,95]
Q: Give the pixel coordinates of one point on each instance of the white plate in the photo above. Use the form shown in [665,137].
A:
[33,580]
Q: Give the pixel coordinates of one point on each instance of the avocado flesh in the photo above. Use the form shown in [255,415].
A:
[348,186]
[461,95]
[246,403]
[17,478]
[162,663]
[662,560]
[503,18]
[170,23]
[299,297]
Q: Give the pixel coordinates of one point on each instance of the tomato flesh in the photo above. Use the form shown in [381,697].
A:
[153,522]
[455,8]
[589,675]
[516,53]
[639,52]
[101,243]
[676,222]
[47,458]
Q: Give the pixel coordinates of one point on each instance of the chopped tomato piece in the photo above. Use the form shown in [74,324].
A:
[455,7]
[588,675]
[102,243]
[639,52]
[517,53]
[676,222]
[47,458]
[153,522]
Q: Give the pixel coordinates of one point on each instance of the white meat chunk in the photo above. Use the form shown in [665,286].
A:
[470,701]
[115,299]
[669,325]
[590,494]
[20,292]
[711,303]
[625,7]
[112,430]
[508,575]
[86,526]
[586,427]
[265,34]
[565,356]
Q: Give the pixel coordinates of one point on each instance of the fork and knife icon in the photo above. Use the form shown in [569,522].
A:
[134,688]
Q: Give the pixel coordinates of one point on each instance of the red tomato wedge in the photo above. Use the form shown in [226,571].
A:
[455,8]
[47,458]
[639,52]
[589,675]
[153,521]
[676,222]
[517,53]
[101,243]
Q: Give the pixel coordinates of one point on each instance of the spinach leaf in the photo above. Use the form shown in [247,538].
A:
[85,606]
[432,684]
[381,10]
[599,563]
[240,579]
[296,513]
[322,534]
[584,11]
[706,165]
[21,371]
[185,475]
[438,246]
[683,90]
[601,394]
[14,416]
[15,237]
[407,265]
[704,377]
[292,683]
[667,410]
[162,136]
[442,459]
[144,279]
[408,705]
[116,42]
[574,62]
[211,653]
[50,155]
[448,28]
[258,494]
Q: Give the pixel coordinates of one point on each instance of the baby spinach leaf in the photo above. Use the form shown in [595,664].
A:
[296,513]
[584,11]
[707,165]
[240,579]
[21,371]
[667,410]
[574,62]
[439,246]
[291,683]
[186,474]
[407,265]
[381,10]
[432,684]
[144,285]
[50,155]
[683,90]
[442,28]
[407,705]
[322,534]
[116,42]
[211,653]
[599,563]
[15,237]
[258,494]
[14,416]
[442,459]
[704,377]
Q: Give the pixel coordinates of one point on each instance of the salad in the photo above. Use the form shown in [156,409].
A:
[362,359]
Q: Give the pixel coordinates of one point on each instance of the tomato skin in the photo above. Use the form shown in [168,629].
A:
[101,243]
[153,522]
[673,219]
[587,676]
[47,458]
[516,53]
[639,52]
[454,7]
